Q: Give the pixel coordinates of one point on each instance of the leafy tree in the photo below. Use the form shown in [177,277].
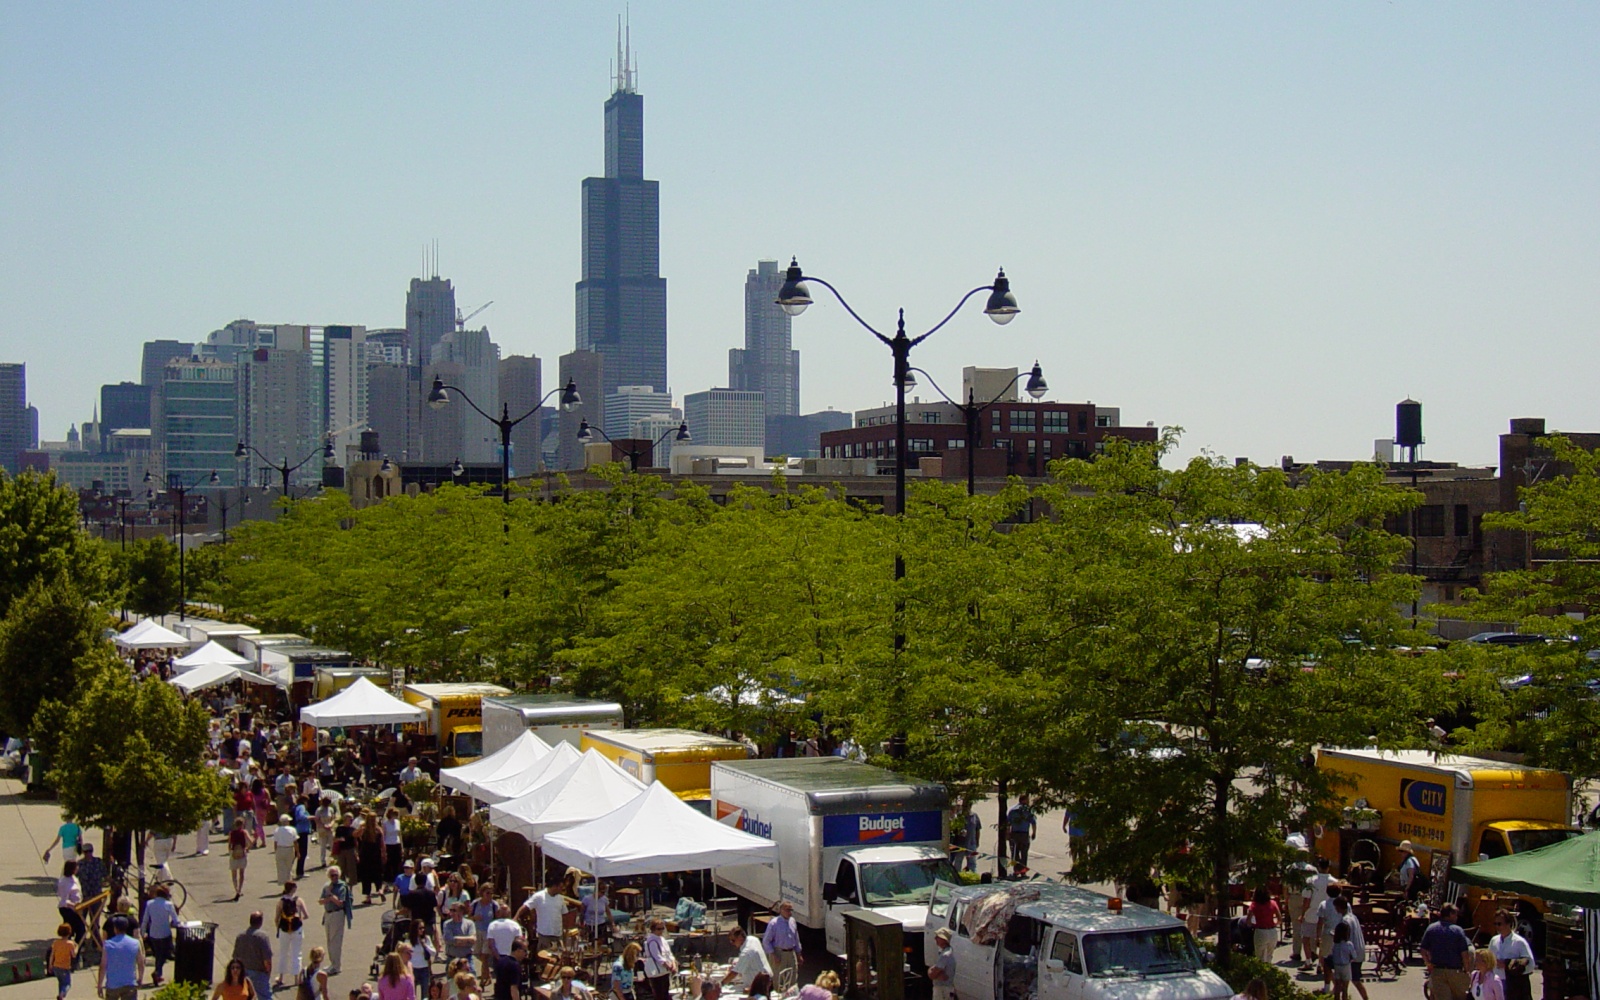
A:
[1198,633]
[129,755]
[52,627]
[149,573]
[40,538]
[1551,693]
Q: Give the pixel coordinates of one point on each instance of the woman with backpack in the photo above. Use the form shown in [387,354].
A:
[292,917]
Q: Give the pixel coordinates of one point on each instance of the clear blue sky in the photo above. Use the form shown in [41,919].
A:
[1264,222]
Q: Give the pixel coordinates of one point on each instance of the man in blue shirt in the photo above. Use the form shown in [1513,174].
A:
[1445,948]
[121,964]
[781,941]
[155,927]
[1021,827]
[303,824]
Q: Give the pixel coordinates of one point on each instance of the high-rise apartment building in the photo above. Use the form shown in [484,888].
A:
[389,346]
[661,428]
[394,409]
[344,389]
[430,314]
[520,391]
[766,363]
[275,415]
[630,404]
[200,414]
[469,360]
[157,353]
[621,298]
[587,370]
[983,385]
[124,406]
[15,433]
[728,418]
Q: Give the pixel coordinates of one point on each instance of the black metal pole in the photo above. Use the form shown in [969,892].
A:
[505,424]
[183,598]
[1414,539]
[284,471]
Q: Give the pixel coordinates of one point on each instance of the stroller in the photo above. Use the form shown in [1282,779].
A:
[395,929]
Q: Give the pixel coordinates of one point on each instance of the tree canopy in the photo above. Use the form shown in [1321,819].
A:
[40,538]
[51,629]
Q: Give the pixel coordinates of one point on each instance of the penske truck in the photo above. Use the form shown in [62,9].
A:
[681,759]
[455,716]
[850,836]
[551,717]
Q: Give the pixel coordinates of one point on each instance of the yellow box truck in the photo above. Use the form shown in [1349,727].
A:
[678,758]
[455,716]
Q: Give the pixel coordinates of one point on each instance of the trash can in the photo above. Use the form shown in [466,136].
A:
[194,950]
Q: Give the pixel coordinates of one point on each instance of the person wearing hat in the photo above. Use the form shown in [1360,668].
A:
[1409,867]
[285,847]
[427,879]
[942,972]
[408,875]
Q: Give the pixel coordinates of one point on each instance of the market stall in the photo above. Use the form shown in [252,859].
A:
[588,789]
[361,704]
[513,758]
[213,652]
[656,832]
[1566,873]
[149,634]
[503,788]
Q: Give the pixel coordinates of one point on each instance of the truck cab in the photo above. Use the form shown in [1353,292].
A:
[1060,942]
[894,881]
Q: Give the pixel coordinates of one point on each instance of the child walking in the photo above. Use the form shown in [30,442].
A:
[63,955]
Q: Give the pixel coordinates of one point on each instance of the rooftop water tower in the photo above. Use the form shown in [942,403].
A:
[1408,427]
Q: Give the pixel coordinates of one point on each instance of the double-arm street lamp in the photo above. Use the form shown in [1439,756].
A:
[440,397]
[972,410]
[679,434]
[175,484]
[224,507]
[284,469]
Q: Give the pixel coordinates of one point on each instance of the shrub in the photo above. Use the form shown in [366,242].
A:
[1238,970]
[180,991]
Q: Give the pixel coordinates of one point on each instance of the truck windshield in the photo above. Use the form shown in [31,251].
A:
[469,744]
[903,883]
[1532,840]
[1153,952]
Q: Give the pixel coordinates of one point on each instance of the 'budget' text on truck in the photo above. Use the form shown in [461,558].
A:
[455,717]
[849,835]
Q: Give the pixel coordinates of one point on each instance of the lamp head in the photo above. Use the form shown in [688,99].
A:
[570,400]
[456,469]
[149,494]
[437,398]
[148,477]
[794,296]
[327,451]
[585,432]
[1037,386]
[910,379]
[683,433]
[387,466]
[1002,305]
[215,479]
[239,451]
[244,498]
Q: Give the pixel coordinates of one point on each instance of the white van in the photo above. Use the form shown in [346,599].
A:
[1062,942]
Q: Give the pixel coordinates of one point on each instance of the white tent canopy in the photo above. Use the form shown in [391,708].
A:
[502,787]
[656,832]
[149,634]
[587,790]
[513,758]
[212,652]
[361,704]
[213,674]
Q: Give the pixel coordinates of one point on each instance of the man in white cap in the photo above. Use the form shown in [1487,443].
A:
[427,879]
[408,875]
[942,972]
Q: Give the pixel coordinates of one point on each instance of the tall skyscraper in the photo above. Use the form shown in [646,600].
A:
[124,406]
[394,409]
[469,360]
[622,299]
[157,353]
[732,418]
[587,369]
[275,414]
[200,413]
[344,388]
[15,434]
[430,314]
[631,404]
[766,364]
[520,391]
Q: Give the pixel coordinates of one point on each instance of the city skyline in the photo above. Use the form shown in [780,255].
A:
[1262,224]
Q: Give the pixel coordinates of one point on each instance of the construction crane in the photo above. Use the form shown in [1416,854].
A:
[461,321]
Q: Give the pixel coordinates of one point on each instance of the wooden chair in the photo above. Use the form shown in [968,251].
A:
[1383,945]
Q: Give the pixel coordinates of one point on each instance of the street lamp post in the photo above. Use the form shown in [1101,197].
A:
[680,434]
[440,397]
[284,469]
[973,410]
[176,485]
[224,507]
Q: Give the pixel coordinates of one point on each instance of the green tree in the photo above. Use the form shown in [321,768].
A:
[51,628]
[1550,707]
[130,755]
[40,538]
[148,569]
[1199,632]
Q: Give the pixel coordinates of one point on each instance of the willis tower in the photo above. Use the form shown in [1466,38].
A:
[622,300]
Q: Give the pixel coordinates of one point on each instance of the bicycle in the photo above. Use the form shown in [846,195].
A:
[121,880]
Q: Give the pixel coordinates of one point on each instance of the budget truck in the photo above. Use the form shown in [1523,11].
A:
[681,759]
[551,717]
[849,836]
[455,717]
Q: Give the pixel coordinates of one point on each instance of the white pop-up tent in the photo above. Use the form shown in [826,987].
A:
[587,790]
[149,634]
[656,832]
[509,786]
[361,704]
[212,675]
[212,652]
[513,758]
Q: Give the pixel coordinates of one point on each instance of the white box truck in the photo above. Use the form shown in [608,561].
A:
[551,717]
[849,836]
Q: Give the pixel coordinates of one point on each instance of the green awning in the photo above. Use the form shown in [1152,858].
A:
[1568,872]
